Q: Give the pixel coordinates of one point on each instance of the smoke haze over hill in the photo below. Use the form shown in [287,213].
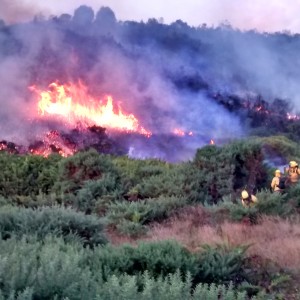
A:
[248,14]
[171,77]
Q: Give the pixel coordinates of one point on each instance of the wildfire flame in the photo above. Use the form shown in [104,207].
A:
[212,142]
[180,132]
[52,142]
[72,103]
[292,116]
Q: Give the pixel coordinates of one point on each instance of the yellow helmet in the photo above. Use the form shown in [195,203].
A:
[293,164]
[277,172]
[245,194]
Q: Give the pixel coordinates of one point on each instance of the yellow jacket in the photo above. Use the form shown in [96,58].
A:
[250,202]
[293,174]
[275,184]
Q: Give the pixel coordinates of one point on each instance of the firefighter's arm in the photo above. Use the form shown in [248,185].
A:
[273,183]
[254,199]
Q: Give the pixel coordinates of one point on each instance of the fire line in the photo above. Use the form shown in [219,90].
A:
[72,103]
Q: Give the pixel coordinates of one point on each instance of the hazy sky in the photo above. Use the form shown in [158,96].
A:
[263,15]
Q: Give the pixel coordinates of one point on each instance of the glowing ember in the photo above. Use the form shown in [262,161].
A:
[53,142]
[72,103]
[178,132]
[292,116]
[3,146]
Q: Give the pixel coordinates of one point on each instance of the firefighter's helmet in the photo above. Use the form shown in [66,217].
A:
[293,164]
[245,194]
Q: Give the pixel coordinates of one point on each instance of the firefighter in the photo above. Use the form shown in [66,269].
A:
[276,181]
[293,173]
[247,200]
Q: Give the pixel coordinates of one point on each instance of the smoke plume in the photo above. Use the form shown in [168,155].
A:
[173,78]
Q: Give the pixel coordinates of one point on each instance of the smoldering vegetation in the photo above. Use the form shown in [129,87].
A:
[216,82]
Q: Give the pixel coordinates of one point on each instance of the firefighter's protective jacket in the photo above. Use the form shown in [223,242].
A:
[250,201]
[275,184]
[293,174]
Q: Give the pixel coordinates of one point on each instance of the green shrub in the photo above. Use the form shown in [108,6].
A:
[94,190]
[170,183]
[273,204]
[27,175]
[34,201]
[27,294]
[229,168]
[293,194]
[85,178]
[142,179]
[133,170]
[44,220]
[133,228]
[281,146]
[44,270]
[160,258]
[173,287]
[222,263]
[54,269]
[234,210]
[76,170]
[141,212]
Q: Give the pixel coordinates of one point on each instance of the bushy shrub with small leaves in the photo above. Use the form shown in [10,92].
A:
[269,203]
[225,169]
[135,215]
[222,263]
[47,269]
[173,287]
[53,269]
[27,175]
[57,220]
[159,258]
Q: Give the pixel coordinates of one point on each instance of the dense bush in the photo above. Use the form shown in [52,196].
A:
[42,221]
[88,180]
[27,175]
[275,204]
[160,258]
[86,177]
[49,268]
[230,168]
[130,218]
[129,194]
[149,178]
[53,269]
[173,287]
[280,146]
[222,263]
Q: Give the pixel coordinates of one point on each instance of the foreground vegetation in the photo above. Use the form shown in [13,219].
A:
[95,226]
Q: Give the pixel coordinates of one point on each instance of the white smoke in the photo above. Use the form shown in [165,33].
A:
[276,15]
[145,66]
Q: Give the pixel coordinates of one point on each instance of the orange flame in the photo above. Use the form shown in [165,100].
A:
[73,103]
[179,132]
[292,116]
[212,142]
[52,142]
